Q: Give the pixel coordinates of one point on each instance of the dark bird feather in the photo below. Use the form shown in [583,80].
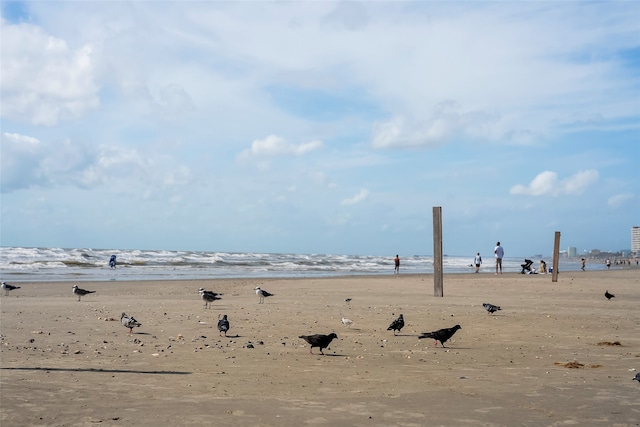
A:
[491,308]
[318,340]
[442,335]
[637,377]
[396,325]
[608,295]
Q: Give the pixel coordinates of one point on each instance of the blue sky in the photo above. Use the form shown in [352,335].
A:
[320,127]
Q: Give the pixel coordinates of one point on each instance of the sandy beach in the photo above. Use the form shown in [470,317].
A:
[556,354]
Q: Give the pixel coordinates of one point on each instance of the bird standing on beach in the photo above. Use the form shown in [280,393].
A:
[442,335]
[7,287]
[490,308]
[318,340]
[80,292]
[223,325]
[347,322]
[129,322]
[396,325]
[262,294]
[637,377]
[208,296]
[608,295]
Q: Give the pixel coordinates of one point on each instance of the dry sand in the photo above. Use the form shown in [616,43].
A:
[65,362]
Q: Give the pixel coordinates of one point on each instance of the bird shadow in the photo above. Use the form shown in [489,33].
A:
[331,355]
[140,333]
[97,370]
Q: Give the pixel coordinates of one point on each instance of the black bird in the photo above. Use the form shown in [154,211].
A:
[318,340]
[262,294]
[129,322]
[80,292]
[209,296]
[223,325]
[490,308]
[608,295]
[7,287]
[637,377]
[396,325]
[442,335]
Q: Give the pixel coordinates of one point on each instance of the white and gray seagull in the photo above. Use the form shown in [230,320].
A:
[208,296]
[80,292]
[262,294]
[129,322]
[7,287]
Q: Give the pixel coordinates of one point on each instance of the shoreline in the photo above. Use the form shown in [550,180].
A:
[63,359]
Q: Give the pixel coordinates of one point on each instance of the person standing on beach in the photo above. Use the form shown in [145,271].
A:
[396,270]
[583,262]
[477,261]
[608,263]
[499,251]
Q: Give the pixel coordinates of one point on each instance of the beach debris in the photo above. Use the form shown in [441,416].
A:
[490,308]
[609,343]
[347,322]
[442,335]
[262,294]
[208,296]
[396,325]
[7,287]
[80,292]
[223,325]
[608,295]
[129,322]
[318,340]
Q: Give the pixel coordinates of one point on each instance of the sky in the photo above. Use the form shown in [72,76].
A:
[320,127]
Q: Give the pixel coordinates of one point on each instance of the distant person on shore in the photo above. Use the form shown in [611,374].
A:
[112,261]
[608,262]
[583,262]
[477,261]
[396,270]
[499,251]
[543,267]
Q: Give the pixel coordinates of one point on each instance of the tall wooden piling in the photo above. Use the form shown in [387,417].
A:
[438,286]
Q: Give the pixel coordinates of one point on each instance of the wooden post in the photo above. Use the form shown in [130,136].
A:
[438,288]
[556,257]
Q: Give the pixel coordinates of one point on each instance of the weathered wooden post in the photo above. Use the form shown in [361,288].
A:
[556,257]
[438,289]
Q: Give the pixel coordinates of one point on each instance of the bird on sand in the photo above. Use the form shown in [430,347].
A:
[7,287]
[223,325]
[129,322]
[318,340]
[208,296]
[347,322]
[442,335]
[637,377]
[262,294]
[396,325]
[491,308]
[608,295]
[80,292]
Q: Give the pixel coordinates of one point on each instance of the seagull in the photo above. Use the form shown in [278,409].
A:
[347,322]
[7,287]
[318,340]
[129,322]
[608,295]
[223,325]
[208,296]
[80,292]
[396,325]
[637,377]
[490,308]
[442,335]
[262,294]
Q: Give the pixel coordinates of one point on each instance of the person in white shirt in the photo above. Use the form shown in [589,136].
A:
[477,261]
[499,251]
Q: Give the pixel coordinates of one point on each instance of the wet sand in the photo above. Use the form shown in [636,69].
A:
[556,354]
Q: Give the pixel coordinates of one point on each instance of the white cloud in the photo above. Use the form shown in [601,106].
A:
[619,200]
[43,79]
[274,145]
[546,184]
[359,197]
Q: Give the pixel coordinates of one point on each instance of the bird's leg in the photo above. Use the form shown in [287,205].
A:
[321,352]
[311,350]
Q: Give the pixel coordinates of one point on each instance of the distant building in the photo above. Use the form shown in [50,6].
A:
[571,251]
[635,239]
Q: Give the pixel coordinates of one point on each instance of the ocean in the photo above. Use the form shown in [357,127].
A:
[57,264]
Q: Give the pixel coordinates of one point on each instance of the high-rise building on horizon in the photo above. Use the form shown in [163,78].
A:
[635,239]
[571,251]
